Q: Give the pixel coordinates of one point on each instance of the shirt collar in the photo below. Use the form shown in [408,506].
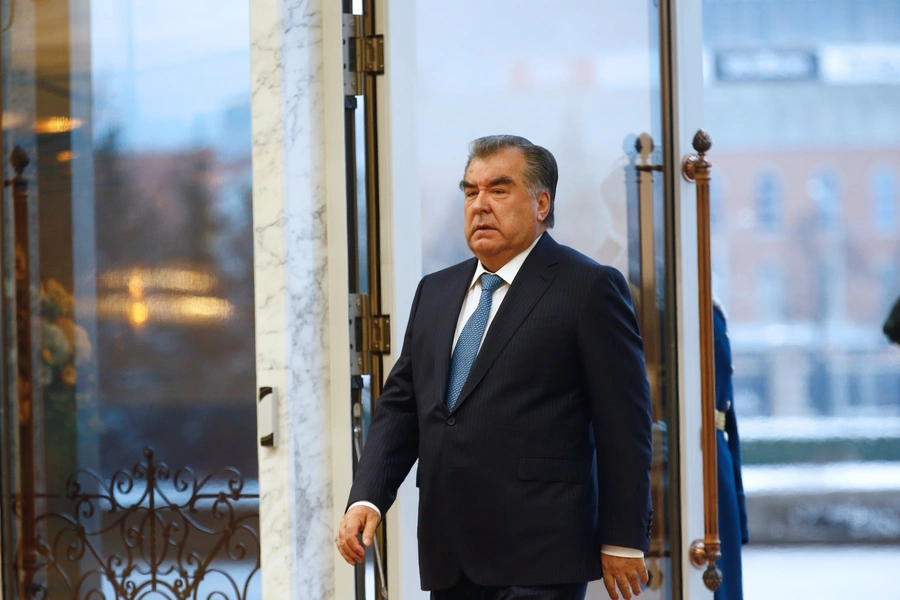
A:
[508,271]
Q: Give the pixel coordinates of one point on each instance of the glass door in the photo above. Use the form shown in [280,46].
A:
[129,462]
[584,82]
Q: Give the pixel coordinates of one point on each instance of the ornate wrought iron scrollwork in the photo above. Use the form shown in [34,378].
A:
[151,533]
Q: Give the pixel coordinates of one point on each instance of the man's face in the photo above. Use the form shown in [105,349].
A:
[502,218]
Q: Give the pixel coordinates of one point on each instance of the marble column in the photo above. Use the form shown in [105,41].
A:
[292,289]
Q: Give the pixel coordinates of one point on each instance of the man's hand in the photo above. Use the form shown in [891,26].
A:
[358,518]
[629,573]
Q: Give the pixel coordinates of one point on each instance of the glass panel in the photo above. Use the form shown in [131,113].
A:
[136,119]
[584,83]
[810,92]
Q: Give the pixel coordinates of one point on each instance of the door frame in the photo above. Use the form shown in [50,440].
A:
[682,72]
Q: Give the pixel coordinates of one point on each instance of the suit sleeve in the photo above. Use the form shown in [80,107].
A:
[615,379]
[392,446]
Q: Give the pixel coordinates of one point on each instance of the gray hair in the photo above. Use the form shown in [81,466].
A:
[540,173]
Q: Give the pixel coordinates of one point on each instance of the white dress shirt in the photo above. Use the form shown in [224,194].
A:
[507,273]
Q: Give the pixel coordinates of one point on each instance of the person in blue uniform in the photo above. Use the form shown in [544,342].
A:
[732,508]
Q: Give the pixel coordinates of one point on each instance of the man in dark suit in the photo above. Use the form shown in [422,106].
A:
[521,390]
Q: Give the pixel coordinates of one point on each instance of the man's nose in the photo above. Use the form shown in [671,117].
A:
[480,203]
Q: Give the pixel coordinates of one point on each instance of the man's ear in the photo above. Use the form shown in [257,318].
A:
[543,199]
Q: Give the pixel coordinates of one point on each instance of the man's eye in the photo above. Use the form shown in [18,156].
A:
[499,191]
[471,194]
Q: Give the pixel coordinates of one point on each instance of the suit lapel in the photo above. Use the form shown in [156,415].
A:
[530,283]
[454,290]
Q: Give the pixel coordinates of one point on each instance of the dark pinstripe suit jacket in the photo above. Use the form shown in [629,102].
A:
[546,454]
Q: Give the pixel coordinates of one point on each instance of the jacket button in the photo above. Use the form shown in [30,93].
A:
[451,421]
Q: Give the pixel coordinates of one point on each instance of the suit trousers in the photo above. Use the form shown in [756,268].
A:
[466,589]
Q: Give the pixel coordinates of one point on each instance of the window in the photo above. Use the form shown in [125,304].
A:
[771,296]
[768,202]
[884,199]
[830,289]
[825,194]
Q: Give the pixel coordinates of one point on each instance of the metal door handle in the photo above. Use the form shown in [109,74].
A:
[705,552]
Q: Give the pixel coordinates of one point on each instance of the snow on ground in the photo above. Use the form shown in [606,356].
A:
[813,478]
[821,573]
[818,428]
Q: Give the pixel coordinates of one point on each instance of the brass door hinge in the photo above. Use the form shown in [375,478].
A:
[370,335]
[363,55]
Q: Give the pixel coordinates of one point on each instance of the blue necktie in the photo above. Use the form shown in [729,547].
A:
[470,339]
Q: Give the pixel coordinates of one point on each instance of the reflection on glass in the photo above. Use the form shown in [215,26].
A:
[137,125]
[588,85]
[812,97]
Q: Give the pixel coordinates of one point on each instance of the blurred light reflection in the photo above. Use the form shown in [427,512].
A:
[169,279]
[164,309]
[56,125]
[141,304]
